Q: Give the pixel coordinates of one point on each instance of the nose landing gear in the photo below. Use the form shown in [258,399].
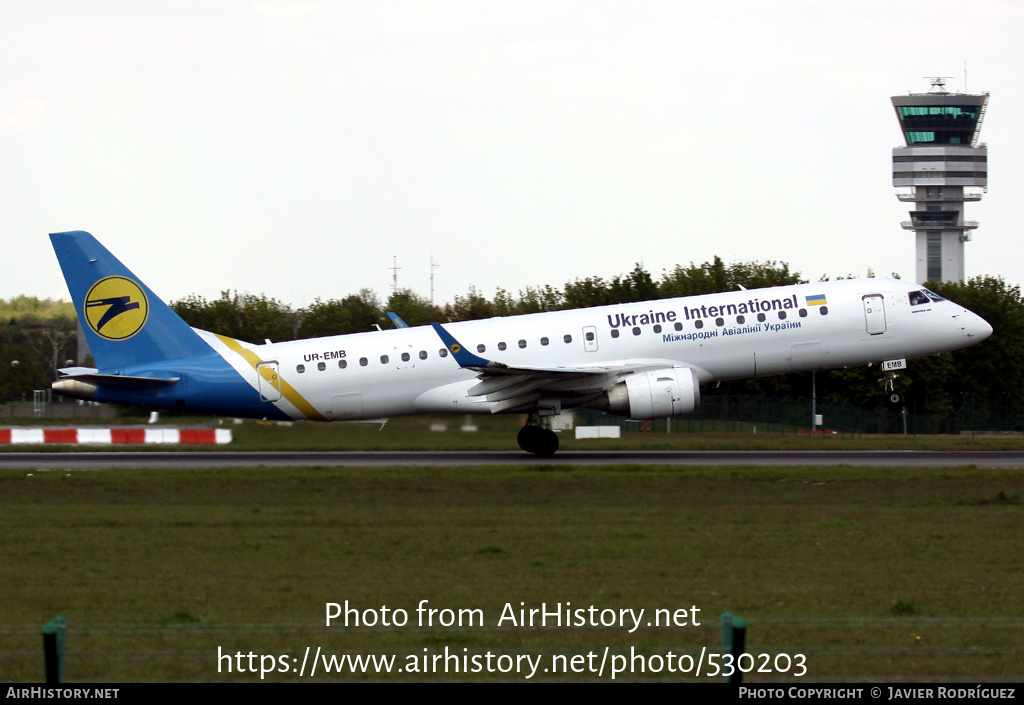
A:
[891,368]
[890,387]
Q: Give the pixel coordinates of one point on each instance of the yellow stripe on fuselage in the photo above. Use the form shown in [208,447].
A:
[287,391]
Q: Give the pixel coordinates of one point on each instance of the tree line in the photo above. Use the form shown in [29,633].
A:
[256,317]
[37,336]
[987,379]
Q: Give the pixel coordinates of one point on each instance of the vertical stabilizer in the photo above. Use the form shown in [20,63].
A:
[125,324]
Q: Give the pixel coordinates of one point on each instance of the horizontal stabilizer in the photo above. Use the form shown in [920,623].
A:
[82,382]
[93,376]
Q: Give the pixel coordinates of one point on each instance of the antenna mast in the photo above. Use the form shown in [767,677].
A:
[394,273]
[938,84]
[433,266]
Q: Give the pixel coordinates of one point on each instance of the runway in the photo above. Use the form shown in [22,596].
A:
[168,460]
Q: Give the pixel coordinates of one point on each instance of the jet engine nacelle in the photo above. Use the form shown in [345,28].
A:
[656,395]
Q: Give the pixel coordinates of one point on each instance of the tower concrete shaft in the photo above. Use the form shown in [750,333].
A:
[941,158]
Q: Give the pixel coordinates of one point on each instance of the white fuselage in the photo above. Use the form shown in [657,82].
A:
[721,336]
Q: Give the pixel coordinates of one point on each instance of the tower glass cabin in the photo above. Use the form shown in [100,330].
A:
[941,158]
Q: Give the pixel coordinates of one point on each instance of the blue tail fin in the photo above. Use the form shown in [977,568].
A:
[124,322]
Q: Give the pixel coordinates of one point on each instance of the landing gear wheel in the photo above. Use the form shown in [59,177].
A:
[890,387]
[526,437]
[542,442]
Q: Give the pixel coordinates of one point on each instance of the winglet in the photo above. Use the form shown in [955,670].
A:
[397,320]
[459,352]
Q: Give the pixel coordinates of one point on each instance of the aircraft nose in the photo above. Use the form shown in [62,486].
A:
[981,328]
[974,326]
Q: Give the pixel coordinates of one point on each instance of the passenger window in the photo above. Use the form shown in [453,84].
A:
[803,313]
[719,322]
[384,359]
[300,368]
[481,348]
[342,364]
[423,354]
[760,318]
[782,315]
[698,323]
[363,362]
[443,352]
[522,343]
[405,357]
[544,341]
[636,331]
[679,326]
[657,328]
[567,338]
[321,366]
[502,346]
[740,320]
[615,332]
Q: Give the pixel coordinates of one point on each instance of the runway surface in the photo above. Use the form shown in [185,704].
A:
[101,461]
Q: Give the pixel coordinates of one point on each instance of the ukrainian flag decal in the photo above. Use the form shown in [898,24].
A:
[816,300]
[116,308]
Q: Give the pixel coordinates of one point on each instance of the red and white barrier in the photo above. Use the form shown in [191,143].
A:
[114,436]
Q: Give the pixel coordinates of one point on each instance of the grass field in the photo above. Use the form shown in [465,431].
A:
[871,574]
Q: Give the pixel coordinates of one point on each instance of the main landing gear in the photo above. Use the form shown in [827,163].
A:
[534,438]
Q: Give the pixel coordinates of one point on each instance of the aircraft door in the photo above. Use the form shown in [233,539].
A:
[269,380]
[590,338]
[874,314]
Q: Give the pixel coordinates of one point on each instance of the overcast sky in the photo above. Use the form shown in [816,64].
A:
[294,148]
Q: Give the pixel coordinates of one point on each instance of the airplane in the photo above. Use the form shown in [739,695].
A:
[643,360]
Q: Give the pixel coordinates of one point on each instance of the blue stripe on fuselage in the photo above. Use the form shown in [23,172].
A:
[208,384]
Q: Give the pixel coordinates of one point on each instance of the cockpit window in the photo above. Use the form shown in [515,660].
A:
[917,298]
[924,296]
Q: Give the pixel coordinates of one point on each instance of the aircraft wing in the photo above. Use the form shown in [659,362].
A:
[512,387]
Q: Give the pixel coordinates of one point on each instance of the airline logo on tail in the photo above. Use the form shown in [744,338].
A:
[116,308]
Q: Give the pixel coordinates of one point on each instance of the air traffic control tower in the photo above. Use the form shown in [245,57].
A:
[941,159]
